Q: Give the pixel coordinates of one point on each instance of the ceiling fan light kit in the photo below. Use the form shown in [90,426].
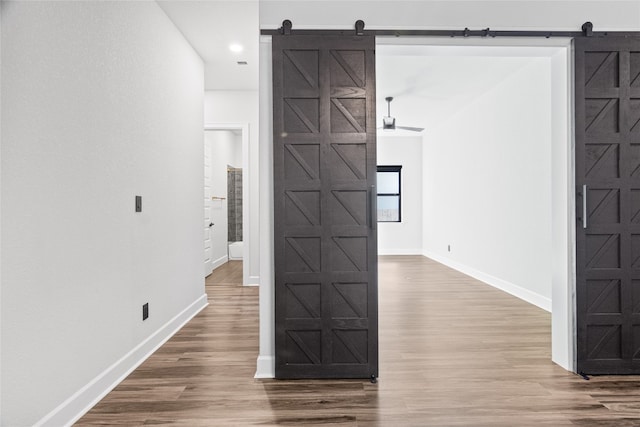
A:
[389,123]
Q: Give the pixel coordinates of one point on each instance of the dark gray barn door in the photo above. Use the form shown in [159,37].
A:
[324,204]
[608,204]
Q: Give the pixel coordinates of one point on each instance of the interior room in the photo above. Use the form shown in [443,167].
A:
[223,197]
[479,128]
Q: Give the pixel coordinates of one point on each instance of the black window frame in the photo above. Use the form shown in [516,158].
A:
[398,170]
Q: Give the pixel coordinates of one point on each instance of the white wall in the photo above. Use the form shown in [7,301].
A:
[487,183]
[226,149]
[101,101]
[241,107]
[405,237]
[1,7]
[265,363]
[563,332]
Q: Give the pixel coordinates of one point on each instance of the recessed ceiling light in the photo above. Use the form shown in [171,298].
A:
[236,48]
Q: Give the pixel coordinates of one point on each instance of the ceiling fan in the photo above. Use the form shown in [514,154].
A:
[389,123]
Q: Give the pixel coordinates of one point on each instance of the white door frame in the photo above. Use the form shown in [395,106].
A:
[208,264]
[246,202]
[563,326]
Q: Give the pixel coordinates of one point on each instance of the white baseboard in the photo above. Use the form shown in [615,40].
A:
[84,399]
[220,261]
[508,287]
[253,281]
[265,367]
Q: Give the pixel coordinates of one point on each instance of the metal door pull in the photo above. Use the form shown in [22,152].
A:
[372,207]
[584,206]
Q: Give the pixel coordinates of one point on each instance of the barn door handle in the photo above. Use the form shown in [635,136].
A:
[584,206]
[372,207]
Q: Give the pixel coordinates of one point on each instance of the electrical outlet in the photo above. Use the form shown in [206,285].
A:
[448,248]
[145,311]
[138,203]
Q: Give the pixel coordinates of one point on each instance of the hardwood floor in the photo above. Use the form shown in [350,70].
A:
[453,352]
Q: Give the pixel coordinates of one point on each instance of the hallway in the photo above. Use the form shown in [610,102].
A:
[453,352]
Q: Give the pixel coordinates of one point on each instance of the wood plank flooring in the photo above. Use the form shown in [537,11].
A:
[453,352]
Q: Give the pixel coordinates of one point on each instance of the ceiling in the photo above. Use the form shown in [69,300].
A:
[210,26]
[428,83]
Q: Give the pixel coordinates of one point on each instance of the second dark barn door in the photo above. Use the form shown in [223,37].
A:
[324,205]
[608,204]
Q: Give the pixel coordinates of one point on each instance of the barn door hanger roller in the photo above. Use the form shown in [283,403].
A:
[287,25]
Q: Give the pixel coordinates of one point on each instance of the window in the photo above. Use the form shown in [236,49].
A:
[389,193]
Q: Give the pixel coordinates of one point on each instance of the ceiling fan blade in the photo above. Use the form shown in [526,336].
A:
[410,128]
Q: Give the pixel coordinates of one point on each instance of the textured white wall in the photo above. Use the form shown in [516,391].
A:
[403,238]
[241,107]
[487,182]
[101,101]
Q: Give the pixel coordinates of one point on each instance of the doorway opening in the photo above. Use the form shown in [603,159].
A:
[495,174]
[225,191]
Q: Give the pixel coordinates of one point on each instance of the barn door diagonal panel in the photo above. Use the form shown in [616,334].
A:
[607,88]
[324,182]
